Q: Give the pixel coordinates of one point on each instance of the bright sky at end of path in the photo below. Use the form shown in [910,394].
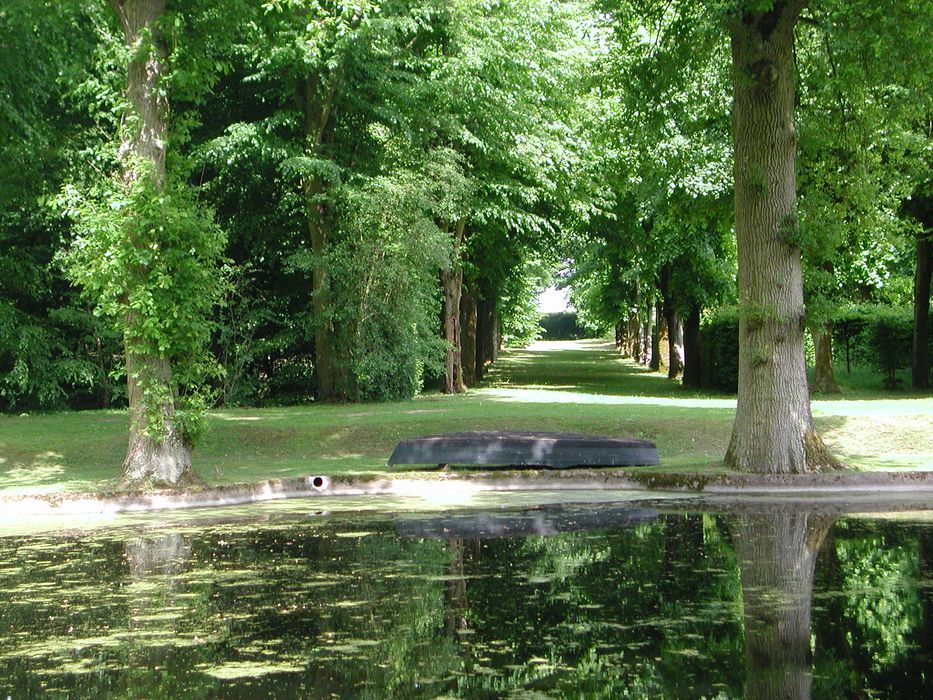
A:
[552,301]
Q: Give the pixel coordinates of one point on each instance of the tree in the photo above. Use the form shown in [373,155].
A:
[145,253]
[863,106]
[773,430]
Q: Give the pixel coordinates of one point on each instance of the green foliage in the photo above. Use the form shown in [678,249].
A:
[383,287]
[145,255]
[719,345]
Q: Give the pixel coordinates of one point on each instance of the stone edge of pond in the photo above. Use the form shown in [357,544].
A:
[889,484]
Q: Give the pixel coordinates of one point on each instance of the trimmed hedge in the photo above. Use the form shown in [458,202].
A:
[719,350]
[879,337]
[562,325]
[868,336]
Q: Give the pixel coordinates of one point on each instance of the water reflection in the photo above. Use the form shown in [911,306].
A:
[648,604]
[777,557]
[154,564]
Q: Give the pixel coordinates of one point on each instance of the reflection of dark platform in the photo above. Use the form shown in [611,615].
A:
[525,449]
[539,522]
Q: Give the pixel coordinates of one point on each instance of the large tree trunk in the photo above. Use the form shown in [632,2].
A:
[468,335]
[777,558]
[921,366]
[693,369]
[773,430]
[157,451]
[316,101]
[824,378]
[452,284]
[318,224]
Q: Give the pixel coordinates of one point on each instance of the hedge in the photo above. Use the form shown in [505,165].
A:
[719,350]
[872,336]
[562,325]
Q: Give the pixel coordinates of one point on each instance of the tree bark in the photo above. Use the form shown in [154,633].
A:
[318,224]
[316,101]
[488,338]
[920,376]
[655,363]
[468,335]
[693,369]
[452,284]
[773,430]
[675,335]
[157,451]
[824,378]
[484,321]
[777,558]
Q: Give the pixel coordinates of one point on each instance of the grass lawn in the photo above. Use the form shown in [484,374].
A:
[576,386]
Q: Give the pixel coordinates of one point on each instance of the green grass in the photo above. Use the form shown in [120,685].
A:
[576,386]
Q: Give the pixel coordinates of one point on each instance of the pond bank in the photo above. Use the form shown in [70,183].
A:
[450,486]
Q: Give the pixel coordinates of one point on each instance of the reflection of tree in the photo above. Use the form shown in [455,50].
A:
[165,554]
[456,625]
[873,626]
[777,556]
[154,563]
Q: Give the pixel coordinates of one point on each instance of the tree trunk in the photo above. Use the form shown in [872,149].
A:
[777,558]
[468,335]
[452,284]
[620,337]
[675,347]
[318,225]
[655,362]
[489,331]
[675,334]
[157,451]
[693,369]
[483,334]
[631,335]
[920,378]
[315,99]
[824,379]
[773,430]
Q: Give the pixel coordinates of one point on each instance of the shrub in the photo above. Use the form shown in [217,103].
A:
[719,350]
[562,325]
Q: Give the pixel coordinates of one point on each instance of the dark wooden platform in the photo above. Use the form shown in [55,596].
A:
[525,449]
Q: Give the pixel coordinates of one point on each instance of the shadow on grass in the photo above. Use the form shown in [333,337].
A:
[587,367]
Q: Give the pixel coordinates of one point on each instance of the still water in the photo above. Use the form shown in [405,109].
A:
[579,601]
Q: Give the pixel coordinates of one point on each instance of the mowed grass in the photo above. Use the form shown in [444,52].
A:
[569,386]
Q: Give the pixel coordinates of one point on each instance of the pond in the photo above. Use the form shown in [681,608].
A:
[640,598]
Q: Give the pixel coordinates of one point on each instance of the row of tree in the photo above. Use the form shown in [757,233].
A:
[863,214]
[344,199]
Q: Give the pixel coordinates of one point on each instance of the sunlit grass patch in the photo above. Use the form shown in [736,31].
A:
[579,386]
